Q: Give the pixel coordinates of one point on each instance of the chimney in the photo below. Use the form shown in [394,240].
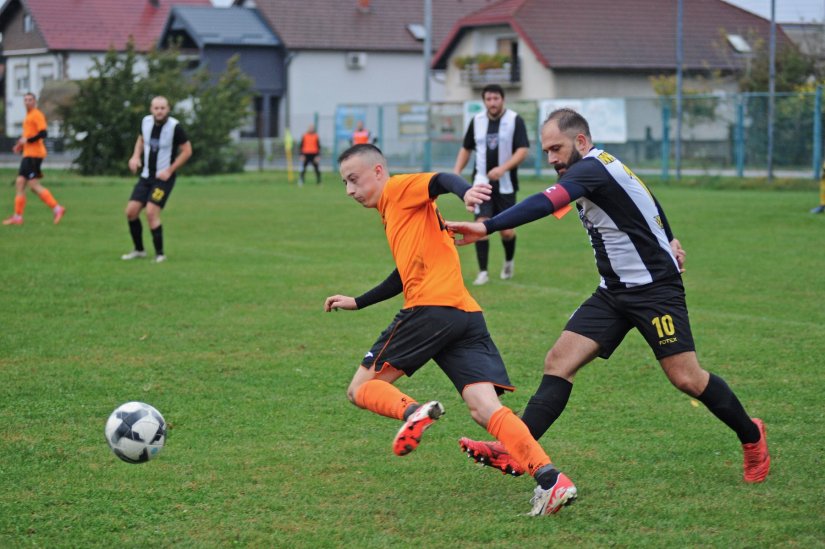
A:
[364,6]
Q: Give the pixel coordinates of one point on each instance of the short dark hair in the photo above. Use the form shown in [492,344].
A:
[359,149]
[492,88]
[569,121]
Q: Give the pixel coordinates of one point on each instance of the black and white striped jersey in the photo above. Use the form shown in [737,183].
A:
[626,226]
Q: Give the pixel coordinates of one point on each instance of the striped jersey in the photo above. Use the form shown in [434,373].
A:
[627,228]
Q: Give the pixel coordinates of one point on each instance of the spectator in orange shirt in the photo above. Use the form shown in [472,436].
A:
[31,144]
[361,135]
[310,150]
[440,320]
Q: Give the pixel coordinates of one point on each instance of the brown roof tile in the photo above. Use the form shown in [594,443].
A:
[341,25]
[618,34]
[97,25]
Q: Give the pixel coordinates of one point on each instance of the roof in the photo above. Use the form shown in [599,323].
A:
[211,26]
[97,25]
[343,25]
[616,34]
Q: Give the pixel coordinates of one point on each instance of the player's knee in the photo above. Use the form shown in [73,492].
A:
[351,391]
[552,362]
[479,416]
[686,383]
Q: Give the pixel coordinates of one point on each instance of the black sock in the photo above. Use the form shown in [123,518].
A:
[546,405]
[546,476]
[136,230]
[317,174]
[157,239]
[482,254]
[509,248]
[410,410]
[722,403]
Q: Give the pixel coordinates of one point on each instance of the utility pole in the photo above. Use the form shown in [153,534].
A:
[771,89]
[679,62]
[428,54]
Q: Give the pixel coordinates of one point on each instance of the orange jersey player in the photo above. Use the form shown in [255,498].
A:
[31,144]
[439,320]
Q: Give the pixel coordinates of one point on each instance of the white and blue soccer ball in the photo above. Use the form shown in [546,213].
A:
[136,432]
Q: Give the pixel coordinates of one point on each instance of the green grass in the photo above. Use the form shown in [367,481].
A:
[228,340]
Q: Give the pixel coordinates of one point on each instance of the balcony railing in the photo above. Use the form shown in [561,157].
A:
[508,75]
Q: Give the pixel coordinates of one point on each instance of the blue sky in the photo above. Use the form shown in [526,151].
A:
[787,11]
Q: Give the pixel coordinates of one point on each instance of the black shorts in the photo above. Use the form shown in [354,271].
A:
[153,190]
[310,157]
[456,340]
[657,310]
[30,168]
[497,204]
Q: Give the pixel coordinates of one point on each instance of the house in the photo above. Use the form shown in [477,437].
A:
[355,52]
[597,48]
[46,40]
[212,36]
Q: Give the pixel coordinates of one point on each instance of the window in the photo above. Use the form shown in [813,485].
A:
[28,23]
[21,79]
[739,43]
[505,46]
[46,73]
[418,31]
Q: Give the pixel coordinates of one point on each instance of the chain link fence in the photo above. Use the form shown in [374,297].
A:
[722,134]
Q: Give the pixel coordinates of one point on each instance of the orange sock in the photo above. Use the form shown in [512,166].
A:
[19,204]
[383,398]
[47,197]
[514,434]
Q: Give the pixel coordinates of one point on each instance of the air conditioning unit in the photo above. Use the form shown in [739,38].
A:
[356,59]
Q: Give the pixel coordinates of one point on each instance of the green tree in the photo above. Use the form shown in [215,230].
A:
[794,69]
[103,120]
[218,108]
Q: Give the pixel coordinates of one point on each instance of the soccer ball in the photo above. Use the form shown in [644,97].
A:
[136,432]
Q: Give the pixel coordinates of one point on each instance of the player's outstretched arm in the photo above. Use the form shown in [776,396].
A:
[335,302]
[470,231]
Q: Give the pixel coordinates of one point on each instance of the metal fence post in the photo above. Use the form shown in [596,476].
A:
[817,156]
[739,135]
[381,125]
[665,139]
[428,145]
[539,153]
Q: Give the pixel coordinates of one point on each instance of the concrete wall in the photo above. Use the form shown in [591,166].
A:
[318,82]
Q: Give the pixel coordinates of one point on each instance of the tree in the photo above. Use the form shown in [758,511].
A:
[218,109]
[103,120]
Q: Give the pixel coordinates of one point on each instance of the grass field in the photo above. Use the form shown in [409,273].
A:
[228,340]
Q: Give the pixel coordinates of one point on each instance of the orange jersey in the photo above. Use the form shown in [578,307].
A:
[360,137]
[33,124]
[310,144]
[423,250]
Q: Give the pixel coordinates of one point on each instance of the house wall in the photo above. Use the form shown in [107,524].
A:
[263,64]
[536,81]
[602,84]
[320,81]
[41,68]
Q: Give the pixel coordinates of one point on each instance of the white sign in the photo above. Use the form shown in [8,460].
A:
[606,116]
